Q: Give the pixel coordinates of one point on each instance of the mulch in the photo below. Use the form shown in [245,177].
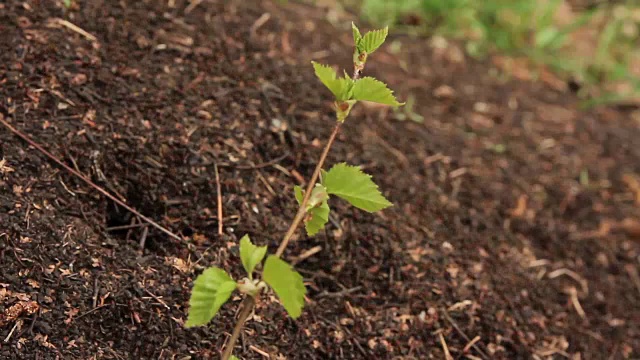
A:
[515,232]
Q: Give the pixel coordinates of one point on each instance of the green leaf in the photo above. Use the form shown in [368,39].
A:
[299,193]
[343,108]
[67,3]
[356,34]
[323,175]
[318,218]
[372,40]
[211,290]
[318,215]
[351,184]
[251,255]
[318,196]
[370,89]
[287,283]
[546,36]
[339,87]
[233,357]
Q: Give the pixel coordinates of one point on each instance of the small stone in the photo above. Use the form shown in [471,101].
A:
[446,246]
[444,92]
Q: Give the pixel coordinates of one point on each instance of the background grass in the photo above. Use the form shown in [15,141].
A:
[597,46]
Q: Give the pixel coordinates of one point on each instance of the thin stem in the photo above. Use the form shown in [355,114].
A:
[249,301]
[219,194]
[316,173]
[356,73]
[303,205]
[247,305]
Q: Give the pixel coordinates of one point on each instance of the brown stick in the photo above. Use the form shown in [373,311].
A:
[470,343]
[316,173]
[303,205]
[247,306]
[219,191]
[255,167]
[83,178]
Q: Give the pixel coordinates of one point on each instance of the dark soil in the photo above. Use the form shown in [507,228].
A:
[516,222]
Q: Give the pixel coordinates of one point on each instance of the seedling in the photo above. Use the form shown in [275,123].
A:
[214,286]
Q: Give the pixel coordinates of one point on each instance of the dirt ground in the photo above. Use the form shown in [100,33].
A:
[515,231]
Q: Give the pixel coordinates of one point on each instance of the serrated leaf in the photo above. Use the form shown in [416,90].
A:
[356,34]
[351,184]
[339,87]
[211,290]
[372,40]
[251,255]
[287,283]
[370,89]
[318,216]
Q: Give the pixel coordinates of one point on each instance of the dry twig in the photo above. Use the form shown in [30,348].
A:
[219,192]
[307,254]
[83,178]
[471,343]
[73,27]
[445,348]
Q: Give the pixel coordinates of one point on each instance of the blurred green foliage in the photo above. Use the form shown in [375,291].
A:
[533,29]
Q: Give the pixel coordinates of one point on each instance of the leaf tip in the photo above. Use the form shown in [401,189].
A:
[189,324]
[250,254]
[245,240]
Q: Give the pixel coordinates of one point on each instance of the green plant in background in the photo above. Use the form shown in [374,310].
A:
[407,112]
[503,24]
[529,28]
[214,286]
[616,53]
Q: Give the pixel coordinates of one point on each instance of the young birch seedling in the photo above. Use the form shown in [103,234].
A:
[214,286]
